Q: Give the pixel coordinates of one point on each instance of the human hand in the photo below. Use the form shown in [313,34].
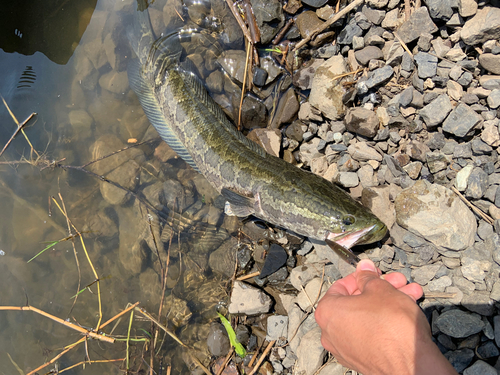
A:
[373,325]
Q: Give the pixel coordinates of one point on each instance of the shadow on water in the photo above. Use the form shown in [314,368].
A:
[67,62]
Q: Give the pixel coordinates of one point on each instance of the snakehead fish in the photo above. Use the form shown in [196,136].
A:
[252,181]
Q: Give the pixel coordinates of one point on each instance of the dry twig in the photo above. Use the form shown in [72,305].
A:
[328,23]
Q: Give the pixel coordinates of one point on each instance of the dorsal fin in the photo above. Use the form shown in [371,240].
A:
[144,92]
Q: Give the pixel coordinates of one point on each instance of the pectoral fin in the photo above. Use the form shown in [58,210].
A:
[237,204]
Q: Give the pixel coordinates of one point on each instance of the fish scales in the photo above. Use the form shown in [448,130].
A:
[253,181]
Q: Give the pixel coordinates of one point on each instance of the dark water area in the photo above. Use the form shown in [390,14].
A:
[67,62]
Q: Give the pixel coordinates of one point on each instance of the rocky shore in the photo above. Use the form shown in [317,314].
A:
[397,102]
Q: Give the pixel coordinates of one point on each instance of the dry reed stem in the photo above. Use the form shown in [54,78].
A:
[83,363]
[486,218]
[155,321]
[240,21]
[249,276]
[63,210]
[249,47]
[226,360]
[262,357]
[83,339]
[82,330]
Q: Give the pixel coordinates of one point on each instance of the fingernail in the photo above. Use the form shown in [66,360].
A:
[366,265]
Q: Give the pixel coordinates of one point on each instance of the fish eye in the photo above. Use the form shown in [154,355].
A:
[348,220]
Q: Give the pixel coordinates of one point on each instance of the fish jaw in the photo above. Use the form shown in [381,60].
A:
[367,235]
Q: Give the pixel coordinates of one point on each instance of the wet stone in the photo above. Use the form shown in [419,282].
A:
[488,350]
[259,76]
[270,18]
[217,340]
[307,22]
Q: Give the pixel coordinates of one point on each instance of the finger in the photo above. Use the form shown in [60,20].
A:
[413,290]
[396,279]
[344,287]
[366,272]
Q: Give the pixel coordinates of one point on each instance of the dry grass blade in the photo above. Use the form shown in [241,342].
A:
[82,330]
[262,357]
[83,363]
[249,276]
[20,126]
[155,321]
[249,47]
[486,218]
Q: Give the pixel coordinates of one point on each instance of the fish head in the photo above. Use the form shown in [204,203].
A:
[355,225]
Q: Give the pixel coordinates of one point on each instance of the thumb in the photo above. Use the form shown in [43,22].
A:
[366,271]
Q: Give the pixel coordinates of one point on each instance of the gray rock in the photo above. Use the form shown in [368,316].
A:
[362,121]
[496,327]
[480,368]
[426,64]
[277,327]
[461,120]
[490,62]
[436,214]
[375,78]
[422,275]
[375,16]
[479,302]
[460,359]
[439,285]
[348,33]
[481,148]
[348,179]
[494,98]
[488,350]
[368,53]
[477,183]
[246,299]
[458,323]
[310,353]
[420,22]
[436,161]
[326,93]
[440,9]
[361,151]
[485,25]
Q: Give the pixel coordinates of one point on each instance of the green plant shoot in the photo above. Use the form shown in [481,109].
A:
[238,348]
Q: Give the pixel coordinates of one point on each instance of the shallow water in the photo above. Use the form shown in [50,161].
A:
[78,103]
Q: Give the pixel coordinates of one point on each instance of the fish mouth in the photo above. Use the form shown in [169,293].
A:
[366,235]
[341,243]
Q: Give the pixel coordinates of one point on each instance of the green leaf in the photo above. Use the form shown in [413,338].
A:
[238,348]
[51,244]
